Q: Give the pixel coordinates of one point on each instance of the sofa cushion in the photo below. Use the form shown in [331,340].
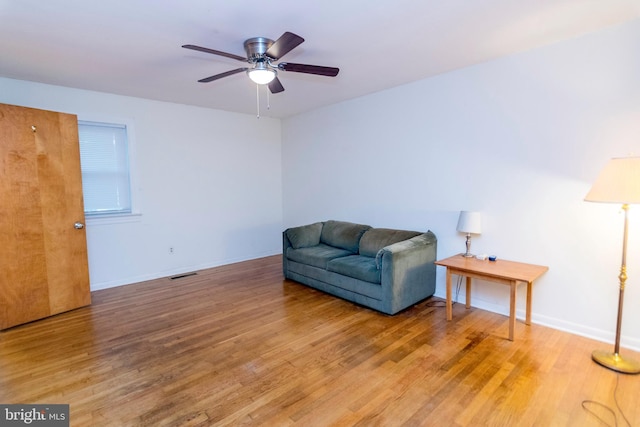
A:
[345,235]
[356,266]
[317,256]
[304,236]
[377,238]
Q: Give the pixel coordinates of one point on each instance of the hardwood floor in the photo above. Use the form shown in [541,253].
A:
[238,345]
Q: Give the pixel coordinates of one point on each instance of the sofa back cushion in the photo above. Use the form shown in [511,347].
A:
[345,235]
[377,238]
[304,236]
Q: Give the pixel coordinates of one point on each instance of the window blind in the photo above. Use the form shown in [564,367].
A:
[105,168]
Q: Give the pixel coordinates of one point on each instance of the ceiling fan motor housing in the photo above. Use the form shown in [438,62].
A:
[256,48]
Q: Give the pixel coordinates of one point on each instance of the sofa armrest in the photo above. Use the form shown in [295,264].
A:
[285,244]
[408,271]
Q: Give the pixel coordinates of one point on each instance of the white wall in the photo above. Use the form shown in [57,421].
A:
[521,139]
[208,184]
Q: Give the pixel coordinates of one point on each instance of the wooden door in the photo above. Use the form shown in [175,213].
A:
[43,262]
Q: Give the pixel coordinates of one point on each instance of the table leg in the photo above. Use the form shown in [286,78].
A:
[468,295]
[512,310]
[528,315]
[449,309]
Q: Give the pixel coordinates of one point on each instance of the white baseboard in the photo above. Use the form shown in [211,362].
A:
[172,272]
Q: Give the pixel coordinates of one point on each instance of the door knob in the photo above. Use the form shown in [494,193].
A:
[78,226]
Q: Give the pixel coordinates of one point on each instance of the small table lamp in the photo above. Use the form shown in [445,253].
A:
[469,222]
[619,182]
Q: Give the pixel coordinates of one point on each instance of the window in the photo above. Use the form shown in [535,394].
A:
[104,162]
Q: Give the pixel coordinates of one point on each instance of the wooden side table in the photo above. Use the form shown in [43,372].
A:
[500,271]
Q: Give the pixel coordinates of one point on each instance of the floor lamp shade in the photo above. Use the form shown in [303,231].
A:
[619,182]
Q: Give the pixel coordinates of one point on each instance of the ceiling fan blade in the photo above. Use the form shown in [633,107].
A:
[309,69]
[285,44]
[215,52]
[221,75]
[275,86]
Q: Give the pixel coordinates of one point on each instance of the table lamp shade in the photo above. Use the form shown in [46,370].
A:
[618,182]
[469,222]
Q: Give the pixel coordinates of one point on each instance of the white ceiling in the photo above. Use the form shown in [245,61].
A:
[133,47]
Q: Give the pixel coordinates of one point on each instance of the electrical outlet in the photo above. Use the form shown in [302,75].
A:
[171,250]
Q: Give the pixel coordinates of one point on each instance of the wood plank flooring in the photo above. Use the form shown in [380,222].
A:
[238,345]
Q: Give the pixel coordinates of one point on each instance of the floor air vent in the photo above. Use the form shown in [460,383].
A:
[182,276]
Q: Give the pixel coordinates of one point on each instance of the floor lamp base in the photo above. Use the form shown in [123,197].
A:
[616,362]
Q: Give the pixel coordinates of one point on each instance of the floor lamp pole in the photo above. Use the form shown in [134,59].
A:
[613,360]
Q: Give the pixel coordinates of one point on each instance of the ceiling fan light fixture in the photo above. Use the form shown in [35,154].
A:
[261,74]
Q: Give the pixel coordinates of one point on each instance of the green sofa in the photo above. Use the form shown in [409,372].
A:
[383,269]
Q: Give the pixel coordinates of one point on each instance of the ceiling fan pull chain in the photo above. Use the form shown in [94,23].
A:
[258,100]
[268,100]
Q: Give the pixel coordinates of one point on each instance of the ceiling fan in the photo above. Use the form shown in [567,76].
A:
[262,53]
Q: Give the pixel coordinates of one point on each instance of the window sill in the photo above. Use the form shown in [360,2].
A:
[108,219]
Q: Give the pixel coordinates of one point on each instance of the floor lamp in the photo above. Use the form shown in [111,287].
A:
[619,182]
